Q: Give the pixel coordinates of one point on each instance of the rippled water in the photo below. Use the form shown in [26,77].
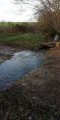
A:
[18,66]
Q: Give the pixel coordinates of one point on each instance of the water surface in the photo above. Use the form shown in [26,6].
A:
[19,65]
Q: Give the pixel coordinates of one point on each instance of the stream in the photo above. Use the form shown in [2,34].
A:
[19,65]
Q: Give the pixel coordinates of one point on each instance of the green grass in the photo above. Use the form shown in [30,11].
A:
[22,38]
[31,41]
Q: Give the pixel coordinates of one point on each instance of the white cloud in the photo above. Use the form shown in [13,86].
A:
[9,12]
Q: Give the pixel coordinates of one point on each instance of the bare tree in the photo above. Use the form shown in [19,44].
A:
[47,10]
[50,13]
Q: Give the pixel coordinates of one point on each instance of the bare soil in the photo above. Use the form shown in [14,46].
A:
[37,95]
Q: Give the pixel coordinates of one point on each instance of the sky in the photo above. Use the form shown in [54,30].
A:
[11,12]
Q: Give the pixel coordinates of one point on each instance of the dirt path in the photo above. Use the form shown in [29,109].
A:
[37,95]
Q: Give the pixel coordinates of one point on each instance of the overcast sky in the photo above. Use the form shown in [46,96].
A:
[10,12]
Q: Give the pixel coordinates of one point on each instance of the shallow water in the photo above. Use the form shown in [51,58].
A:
[19,65]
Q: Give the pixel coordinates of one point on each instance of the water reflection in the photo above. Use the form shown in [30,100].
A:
[18,66]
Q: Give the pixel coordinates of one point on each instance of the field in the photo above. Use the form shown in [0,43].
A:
[21,34]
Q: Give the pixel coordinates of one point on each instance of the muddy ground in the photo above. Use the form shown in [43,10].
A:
[6,52]
[37,95]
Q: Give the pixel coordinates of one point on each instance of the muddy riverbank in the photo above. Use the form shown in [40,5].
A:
[37,95]
[6,52]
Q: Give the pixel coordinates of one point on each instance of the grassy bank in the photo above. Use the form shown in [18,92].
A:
[31,41]
[26,35]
